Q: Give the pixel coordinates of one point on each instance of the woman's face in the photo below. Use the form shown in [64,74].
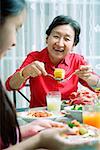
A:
[60,42]
[8,32]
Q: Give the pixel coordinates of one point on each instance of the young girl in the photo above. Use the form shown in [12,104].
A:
[10,11]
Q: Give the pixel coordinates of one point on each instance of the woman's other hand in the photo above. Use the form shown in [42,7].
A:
[53,139]
[38,125]
[47,123]
[84,72]
[34,69]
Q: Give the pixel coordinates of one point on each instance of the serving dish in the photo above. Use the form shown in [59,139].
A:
[85,135]
[72,113]
[88,141]
[31,115]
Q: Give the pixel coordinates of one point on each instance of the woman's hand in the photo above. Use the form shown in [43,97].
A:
[47,123]
[34,69]
[84,72]
[38,125]
[53,139]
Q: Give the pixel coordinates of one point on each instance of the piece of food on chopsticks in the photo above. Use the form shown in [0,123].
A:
[39,114]
[59,73]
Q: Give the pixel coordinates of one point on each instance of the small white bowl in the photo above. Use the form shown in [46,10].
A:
[73,114]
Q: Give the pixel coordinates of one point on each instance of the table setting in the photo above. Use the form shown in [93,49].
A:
[75,116]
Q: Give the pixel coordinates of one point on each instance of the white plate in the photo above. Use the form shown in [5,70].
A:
[92,137]
[24,115]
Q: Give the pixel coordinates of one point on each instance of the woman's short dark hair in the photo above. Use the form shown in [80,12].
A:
[10,8]
[65,20]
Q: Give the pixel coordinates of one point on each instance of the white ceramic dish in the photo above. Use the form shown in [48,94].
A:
[24,115]
[90,140]
[73,114]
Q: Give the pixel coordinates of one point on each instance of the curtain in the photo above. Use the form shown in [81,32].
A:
[40,14]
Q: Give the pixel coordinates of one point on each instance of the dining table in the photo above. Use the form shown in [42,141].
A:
[91,146]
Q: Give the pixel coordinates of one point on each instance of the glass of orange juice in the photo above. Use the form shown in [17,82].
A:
[91,115]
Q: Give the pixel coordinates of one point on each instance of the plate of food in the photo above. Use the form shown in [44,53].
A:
[82,97]
[82,133]
[31,115]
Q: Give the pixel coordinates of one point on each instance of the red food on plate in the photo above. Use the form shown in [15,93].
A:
[82,97]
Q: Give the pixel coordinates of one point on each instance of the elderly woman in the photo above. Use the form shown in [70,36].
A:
[62,36]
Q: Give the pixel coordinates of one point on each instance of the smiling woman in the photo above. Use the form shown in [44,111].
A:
[62,36]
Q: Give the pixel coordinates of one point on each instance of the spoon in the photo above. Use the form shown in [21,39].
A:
[68,78]
[63,80]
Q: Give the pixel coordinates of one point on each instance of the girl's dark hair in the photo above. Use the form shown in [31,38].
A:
[65,20]
[10,8]
[9,128]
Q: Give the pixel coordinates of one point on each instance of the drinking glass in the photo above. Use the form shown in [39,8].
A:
[53,99]
[91,115]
